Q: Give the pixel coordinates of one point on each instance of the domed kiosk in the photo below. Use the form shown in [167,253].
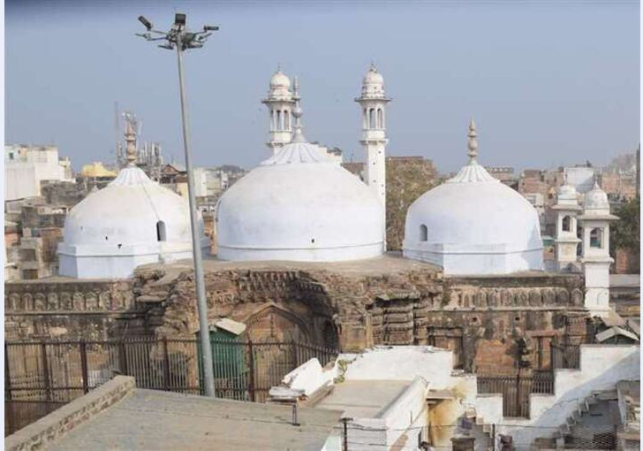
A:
[474,224]
[130,222]
[300,206]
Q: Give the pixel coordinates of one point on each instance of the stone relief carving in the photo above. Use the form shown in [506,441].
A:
[52,301]
[27,302]
[91,301]
[40,302]
[66,301]
[577,297]
[79,302]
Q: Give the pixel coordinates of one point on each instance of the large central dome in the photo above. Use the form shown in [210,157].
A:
[473,224]
[299,206]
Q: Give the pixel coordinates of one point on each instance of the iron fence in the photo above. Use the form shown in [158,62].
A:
[516,389]
[42,376]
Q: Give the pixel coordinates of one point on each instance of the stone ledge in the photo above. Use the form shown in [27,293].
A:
[43,432]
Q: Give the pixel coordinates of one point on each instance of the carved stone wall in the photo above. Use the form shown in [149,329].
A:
[483,320]
[325,307]
[70,309]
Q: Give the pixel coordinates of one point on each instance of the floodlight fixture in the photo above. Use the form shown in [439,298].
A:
[145,22]
[179,19]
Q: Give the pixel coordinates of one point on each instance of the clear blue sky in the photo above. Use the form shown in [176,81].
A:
[548,82]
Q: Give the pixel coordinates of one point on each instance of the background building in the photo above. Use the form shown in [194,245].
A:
[27,166]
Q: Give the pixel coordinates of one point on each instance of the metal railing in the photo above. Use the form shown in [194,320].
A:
[516,389]
[42,376]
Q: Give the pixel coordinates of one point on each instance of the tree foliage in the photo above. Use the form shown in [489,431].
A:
[626,232]
[406,180]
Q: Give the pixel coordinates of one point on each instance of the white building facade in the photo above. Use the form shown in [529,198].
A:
[26,166]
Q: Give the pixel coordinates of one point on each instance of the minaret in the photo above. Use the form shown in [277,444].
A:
[596,259]
[373,102]
[280,103]
[567,210]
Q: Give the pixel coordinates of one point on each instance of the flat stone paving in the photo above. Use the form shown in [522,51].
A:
[154,420]
[363,399]
[390,263]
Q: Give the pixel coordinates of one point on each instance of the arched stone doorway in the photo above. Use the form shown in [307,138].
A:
[274,324]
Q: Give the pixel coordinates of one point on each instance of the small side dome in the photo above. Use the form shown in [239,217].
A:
[474,225]
[130,222]
[596,201]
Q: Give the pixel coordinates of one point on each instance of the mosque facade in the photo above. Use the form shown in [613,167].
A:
[302,256]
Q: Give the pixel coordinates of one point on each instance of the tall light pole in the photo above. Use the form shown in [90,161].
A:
[181,39]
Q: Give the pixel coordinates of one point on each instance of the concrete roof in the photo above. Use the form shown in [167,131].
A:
[363,398]
[155,420]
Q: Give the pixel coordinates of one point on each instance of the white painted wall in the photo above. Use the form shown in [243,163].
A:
[26,167]
[402,363]
[399,425]
[580,178]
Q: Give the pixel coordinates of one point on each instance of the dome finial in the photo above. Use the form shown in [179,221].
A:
[130,137]
[473,142]
[297,112]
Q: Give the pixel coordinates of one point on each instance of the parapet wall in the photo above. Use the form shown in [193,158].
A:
[54,426]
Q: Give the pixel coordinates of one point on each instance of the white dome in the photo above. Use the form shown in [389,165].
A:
[596,202]
[373,77]
[473,224]
[373,84]
[279,80]
[299,206]
[567,192]
[567,196]
[279,87]
[130,222]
